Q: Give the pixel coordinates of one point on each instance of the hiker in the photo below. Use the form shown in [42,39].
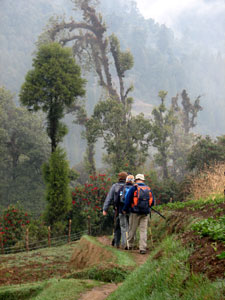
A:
[138,200]
[110,199]
[119,203]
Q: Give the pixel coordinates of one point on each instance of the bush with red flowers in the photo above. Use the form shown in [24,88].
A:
[87,201]
[13,223]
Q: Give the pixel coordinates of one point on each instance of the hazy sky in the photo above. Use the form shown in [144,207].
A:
[167,11]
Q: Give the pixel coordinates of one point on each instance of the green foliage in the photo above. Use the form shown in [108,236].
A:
[101,273]
[205,152]
[13,222]
[24,147]
[221,255]
[87,203]
[214,228]
[162,125]
[53,85]
[195,204]
[58,197]
[38,232]
[126,137]
[124,61]
[163,190]
[21,292]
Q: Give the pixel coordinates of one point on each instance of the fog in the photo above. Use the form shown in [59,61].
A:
[176,45]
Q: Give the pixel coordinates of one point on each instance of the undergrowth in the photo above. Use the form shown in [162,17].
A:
[214,228]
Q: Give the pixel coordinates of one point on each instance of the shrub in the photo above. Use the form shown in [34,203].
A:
[87,201]
[13,222]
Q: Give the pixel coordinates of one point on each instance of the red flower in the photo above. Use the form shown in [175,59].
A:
[28,221]
[73,202]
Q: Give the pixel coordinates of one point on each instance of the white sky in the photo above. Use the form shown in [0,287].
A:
[166,11]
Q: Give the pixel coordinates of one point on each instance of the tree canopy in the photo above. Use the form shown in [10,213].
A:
[53,85]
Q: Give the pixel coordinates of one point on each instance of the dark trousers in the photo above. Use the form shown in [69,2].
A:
[117,233]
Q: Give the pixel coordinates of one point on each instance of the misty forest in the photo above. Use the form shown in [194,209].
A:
[91,88]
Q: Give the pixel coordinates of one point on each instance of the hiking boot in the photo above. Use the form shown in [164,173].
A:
[142,251]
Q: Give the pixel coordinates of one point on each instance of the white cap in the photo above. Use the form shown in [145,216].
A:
[130,178]
[140,176]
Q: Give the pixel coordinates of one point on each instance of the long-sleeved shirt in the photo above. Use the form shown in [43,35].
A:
[130,195]
[110,198]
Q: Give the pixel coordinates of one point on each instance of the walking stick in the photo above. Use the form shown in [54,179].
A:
[156,211]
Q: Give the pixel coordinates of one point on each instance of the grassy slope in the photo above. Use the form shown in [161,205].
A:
[52,289]
[165,275]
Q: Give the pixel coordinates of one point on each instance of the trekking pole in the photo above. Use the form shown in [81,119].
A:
[150,231]
[156,211]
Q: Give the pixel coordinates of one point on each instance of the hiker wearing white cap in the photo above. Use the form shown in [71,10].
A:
[138,200]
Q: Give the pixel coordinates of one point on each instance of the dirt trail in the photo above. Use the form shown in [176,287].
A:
[100,292]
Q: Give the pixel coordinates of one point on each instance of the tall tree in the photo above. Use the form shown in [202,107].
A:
[162,124]
[93,47]
[125,137]
[58,195]
[53,85]
[126,142]
[182,138]
[188,112]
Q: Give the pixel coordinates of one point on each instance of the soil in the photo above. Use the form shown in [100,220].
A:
[99,293]
[204,258]
[89,254]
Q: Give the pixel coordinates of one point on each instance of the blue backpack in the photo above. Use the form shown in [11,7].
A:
[123,193]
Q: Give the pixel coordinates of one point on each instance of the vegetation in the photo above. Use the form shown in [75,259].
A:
[69,289]
[23,148]
[53,85]
[164,278]
[214,228]
[58,195]
[182,166]
[12,225]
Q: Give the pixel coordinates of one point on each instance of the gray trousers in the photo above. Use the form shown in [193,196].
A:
[136,221]
[124,229]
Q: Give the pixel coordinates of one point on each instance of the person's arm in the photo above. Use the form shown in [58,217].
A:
[109,198]
[128,199]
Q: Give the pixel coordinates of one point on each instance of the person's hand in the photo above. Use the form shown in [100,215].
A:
[104,213]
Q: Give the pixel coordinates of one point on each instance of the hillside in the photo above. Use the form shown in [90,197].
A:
[185,260]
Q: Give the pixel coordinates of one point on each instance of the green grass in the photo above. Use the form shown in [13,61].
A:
[59,253]
[68,289]
[122,258]
[21,292]
[194,204]
[167,278]
[104,274]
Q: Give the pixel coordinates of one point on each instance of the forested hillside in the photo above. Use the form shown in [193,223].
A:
[162,60]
